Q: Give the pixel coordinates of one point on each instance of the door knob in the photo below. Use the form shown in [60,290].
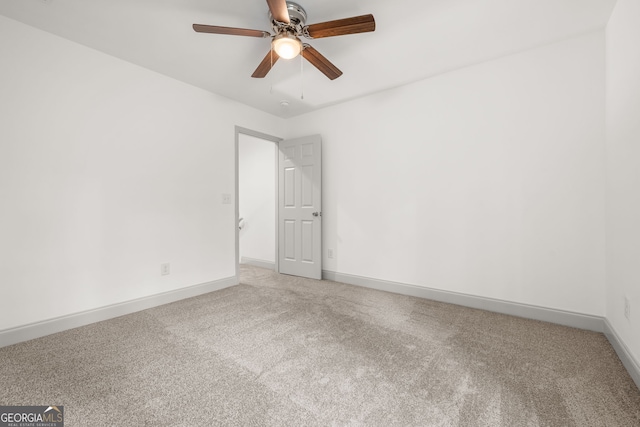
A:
[317,214]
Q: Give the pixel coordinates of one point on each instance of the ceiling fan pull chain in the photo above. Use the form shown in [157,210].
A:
[301,76]
[271,84]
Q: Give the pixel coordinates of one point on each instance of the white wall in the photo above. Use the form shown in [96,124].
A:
[487,181]
[108,170]
[623,171]
[257,199]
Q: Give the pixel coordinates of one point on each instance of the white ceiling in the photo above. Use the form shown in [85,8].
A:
[414,39]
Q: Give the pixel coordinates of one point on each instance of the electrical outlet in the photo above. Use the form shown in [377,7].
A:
[165,269]
[627,308]
[330,253]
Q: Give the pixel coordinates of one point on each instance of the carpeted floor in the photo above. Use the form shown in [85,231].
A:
[281,350]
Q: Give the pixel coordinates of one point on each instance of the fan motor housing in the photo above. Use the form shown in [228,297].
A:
[297,15]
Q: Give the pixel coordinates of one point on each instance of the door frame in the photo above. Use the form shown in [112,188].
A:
[245,131]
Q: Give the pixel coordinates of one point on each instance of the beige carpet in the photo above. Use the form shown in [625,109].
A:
[280,350]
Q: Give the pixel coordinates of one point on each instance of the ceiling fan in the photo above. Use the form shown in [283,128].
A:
[288,20]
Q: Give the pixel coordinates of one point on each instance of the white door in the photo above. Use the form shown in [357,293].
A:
[300,207]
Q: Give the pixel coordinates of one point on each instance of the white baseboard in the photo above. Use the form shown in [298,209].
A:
[577,320]
[258,263]
[63,323]
[566,318]
[627,359]
[561,317]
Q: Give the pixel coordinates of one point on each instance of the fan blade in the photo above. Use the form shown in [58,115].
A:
[266,64]
[341,27]
[320,62]
[229,30]
[279,10]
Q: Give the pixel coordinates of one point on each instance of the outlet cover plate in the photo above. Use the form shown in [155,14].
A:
[627,308]
[165,269]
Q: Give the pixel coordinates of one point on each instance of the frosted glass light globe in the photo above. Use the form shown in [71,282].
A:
[287,46]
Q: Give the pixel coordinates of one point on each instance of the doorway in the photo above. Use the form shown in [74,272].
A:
[278,203]
[256,195]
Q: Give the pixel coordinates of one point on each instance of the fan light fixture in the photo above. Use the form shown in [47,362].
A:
[289,24]
[287,46]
